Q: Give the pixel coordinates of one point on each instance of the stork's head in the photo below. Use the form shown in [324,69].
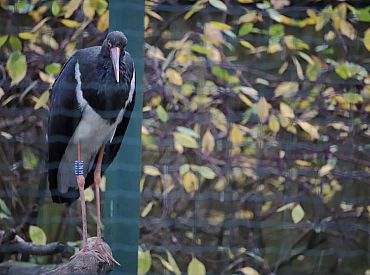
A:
[114,45]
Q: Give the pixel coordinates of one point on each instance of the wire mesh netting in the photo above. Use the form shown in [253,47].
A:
[255,134]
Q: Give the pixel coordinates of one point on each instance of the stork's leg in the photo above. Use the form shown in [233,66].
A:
[81,187]
[98,247]
[97,180]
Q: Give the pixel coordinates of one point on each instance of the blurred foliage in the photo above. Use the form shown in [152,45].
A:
[256,137]
[36,39]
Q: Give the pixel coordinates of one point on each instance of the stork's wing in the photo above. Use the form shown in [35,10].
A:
[64,117]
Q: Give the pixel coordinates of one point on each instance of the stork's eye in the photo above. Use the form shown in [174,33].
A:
[109,44]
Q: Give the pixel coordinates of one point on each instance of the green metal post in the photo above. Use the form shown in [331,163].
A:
[122,196]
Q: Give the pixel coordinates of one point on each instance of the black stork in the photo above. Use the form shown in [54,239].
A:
[91,104]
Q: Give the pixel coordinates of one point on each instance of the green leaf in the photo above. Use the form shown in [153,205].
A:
[185,140]
[348,69]
[200,49]
[53,68]
[4,208]
[353,98]
[276,31]
[15,43]
[363,14]
[297,213]
[3,39]
[199,5]
[218,4]
[196,267]
[187,131]
[16,67]
[367,39]
[206,172]
[162,114]
[42,100]
[245,29]
[220,73]
[37,235]
[55,9]
[313,70]
[30,159]
[184,168]
[144,261]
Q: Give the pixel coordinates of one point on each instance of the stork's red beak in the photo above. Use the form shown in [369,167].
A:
[115,53]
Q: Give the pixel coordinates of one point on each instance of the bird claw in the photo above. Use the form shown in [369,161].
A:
[107,257]
[98,251]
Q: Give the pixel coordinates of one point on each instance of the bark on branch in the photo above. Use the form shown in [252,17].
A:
[82,263]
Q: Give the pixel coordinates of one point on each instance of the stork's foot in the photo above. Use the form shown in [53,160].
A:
[99,249]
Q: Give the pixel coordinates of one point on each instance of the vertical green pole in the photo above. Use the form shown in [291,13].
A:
[122,197]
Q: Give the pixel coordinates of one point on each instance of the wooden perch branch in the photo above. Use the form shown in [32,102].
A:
[82,263]
[32,249]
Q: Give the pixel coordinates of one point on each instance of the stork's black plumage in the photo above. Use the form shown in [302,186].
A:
[92,100]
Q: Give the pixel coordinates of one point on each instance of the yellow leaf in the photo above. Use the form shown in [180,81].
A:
[347,29]
[103,184]
[274,124]
[88,8]
[173,76]
[190,182]
[151,170]
[147,209]
[247,45]
[70,23]
[245,100]
[298,68]
[27,35]
[103,22]
[71,7]
[42,101]
[286,111]
[287,89]
[221,26]
[324,170]
[185,140]
[274,48]
[245,1]
[89,194]
[310,129]
[367,39]
[213,34]
[196,267]
[297,213]
[208,142]
[172,262]
[248,17]
[248,271]
[236,136]
[289,205]
[262,108]
[218,119]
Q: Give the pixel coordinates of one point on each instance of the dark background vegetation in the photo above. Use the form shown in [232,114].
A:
[255,132]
